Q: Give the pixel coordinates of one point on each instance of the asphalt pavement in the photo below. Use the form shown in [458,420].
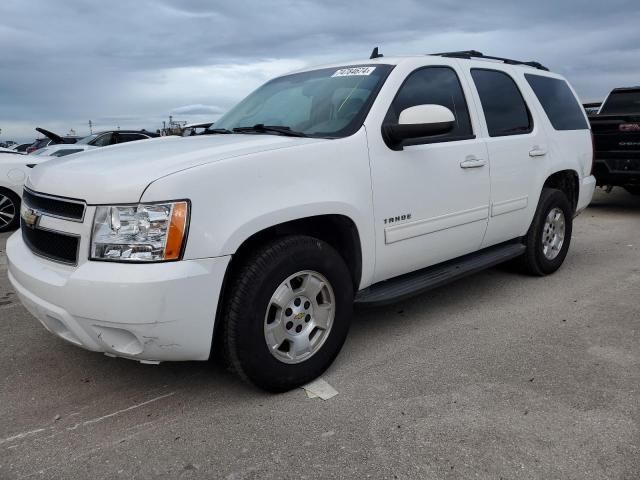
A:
[498,375]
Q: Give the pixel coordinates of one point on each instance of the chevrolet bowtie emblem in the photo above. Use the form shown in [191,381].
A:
[30,216]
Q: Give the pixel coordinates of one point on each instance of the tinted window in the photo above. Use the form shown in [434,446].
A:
[64,153]
[558,102]
[434,85]
[504,108]
[129,137]
[102,140]
[622,102]
[329,103]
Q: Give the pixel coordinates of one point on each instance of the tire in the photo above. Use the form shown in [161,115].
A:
[633,189]
[535,261]
[254,315]
[9,211]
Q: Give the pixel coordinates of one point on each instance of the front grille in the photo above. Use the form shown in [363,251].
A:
[55,207]
[56,246]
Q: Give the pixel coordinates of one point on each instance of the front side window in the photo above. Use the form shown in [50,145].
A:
[558,102]
[504,108]
[102,140]
[434,86]
[87,140]
[329,103]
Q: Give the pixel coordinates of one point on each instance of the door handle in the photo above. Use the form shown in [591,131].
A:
[472,162]
[537,152]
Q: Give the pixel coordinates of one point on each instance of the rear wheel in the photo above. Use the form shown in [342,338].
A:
[633,189]
[9,211]
[287,313]
[549,236]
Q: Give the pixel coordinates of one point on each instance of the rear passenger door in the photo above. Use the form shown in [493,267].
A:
[517,151]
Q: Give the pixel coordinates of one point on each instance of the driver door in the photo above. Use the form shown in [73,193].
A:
[430,194]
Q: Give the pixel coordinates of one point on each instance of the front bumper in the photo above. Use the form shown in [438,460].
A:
[152,313]
[617,171]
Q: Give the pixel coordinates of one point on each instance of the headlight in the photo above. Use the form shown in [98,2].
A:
[140,233]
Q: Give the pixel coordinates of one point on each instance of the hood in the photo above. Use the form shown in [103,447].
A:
[121,173]
[9,151]
[56,138]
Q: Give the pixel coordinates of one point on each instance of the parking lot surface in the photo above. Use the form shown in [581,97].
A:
[496,376]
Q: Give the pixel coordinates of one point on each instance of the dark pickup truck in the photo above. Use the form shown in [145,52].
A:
[616,135]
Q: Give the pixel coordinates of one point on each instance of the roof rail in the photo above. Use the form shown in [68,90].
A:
[475,54]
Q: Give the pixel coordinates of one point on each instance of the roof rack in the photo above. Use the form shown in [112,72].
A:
[469,54]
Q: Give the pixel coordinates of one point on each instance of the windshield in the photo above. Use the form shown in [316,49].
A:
[622,102]
[330,102]
[86,140]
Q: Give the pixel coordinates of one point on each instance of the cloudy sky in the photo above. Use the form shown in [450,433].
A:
[133,63]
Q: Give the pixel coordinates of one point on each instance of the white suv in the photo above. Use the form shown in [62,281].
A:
[366,182]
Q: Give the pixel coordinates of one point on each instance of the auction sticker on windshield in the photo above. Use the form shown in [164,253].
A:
[347,72]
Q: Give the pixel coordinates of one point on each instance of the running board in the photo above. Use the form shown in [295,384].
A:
[420,281]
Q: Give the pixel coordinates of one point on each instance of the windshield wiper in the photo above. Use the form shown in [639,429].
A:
[213,131]
[262,128]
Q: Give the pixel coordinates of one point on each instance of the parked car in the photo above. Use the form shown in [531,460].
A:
[50,139]
[365,182]
[14,169]
[13,174]
[616,131]
[96,140]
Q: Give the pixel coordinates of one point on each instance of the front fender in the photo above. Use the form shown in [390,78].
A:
[236,198]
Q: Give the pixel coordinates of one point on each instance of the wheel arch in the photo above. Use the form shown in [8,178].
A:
[567,181]
[339,231]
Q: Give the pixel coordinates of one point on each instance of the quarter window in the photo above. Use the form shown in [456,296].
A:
[504,108]
[558,102]
[439,86]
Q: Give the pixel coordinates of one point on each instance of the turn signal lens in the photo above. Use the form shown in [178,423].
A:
[177,231]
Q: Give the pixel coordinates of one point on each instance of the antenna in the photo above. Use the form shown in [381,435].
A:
[375,54]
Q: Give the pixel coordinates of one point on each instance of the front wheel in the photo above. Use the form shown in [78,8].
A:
[287,313]
[9,211]
[549,236]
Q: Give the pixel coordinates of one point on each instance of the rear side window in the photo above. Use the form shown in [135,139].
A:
[438,86]
[130,137]
[558,101]
[504,108]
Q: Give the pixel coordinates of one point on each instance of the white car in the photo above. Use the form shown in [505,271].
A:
[96,140]
[367,182]
[14,170]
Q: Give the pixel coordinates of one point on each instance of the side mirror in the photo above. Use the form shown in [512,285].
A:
[420,121]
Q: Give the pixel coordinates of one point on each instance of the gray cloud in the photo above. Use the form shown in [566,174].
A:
[134,63]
